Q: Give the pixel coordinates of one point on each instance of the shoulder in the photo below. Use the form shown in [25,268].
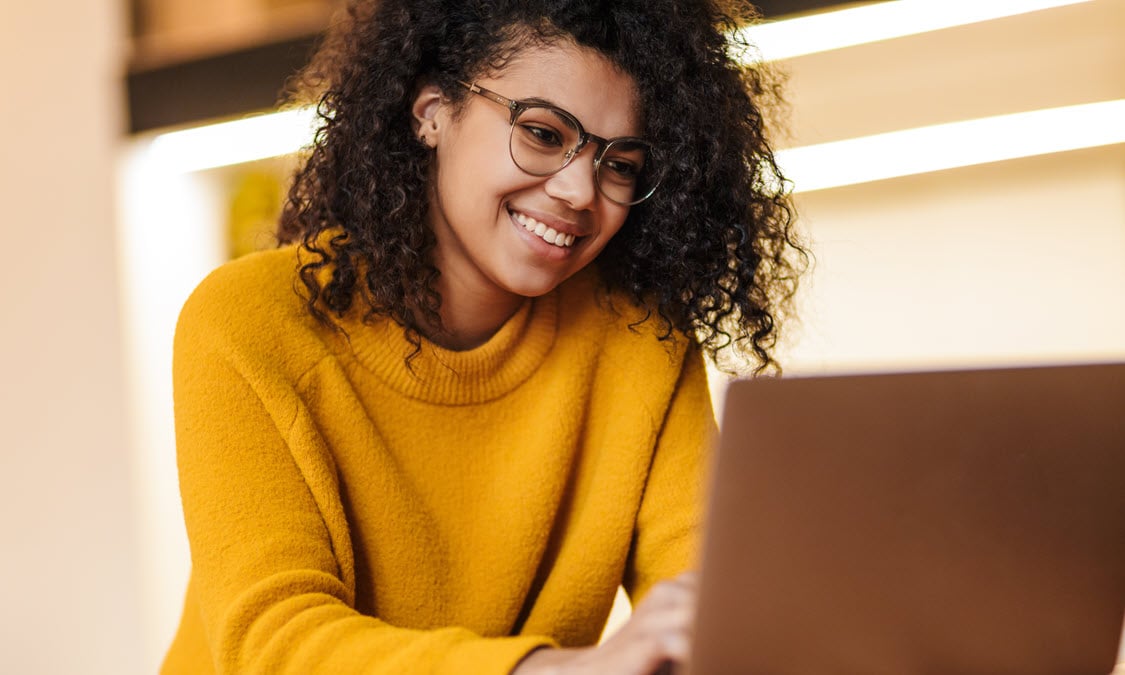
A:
[633,367]
[249,304]
[628,334]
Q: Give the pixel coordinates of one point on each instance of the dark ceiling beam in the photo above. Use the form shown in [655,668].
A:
[251,80]
[219,86]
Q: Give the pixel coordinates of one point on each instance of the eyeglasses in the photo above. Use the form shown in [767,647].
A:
[544,139]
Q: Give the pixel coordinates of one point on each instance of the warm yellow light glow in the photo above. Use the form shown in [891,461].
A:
[244,140]
[957,144]
[881,21]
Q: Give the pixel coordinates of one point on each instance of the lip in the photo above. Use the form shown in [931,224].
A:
[540,247]
[560,225]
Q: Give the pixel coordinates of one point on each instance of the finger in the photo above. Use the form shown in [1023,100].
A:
[677,591]
[653,635]
[658,625]
[676,646]
[686,580]
[659,618]
[645,654]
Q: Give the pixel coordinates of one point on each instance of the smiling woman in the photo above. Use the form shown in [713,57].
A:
[520,229]
[702,111]
[486,194]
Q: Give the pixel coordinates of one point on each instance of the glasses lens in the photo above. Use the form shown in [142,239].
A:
[541,140]
[627,173]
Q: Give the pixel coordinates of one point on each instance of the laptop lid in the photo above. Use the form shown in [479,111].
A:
[945,522]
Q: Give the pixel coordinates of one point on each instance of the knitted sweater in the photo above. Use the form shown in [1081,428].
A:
[347,513]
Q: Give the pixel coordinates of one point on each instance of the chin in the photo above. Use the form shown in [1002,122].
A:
[534,291]
[534,287]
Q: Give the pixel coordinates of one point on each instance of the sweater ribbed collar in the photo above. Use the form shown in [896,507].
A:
[447,377]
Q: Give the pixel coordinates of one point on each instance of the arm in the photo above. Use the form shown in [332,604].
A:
[275,589]
[665,544]
[669,523]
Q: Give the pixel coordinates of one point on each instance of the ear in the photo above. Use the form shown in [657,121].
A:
[425,122]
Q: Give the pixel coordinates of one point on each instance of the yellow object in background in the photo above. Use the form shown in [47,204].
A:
[255,206]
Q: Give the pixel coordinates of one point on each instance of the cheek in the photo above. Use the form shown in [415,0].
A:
[613,219]
[483,178]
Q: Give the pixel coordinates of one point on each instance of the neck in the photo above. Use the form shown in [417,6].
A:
[469,319]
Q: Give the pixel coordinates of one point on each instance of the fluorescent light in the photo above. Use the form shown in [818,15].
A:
[815,167]
[881,21]
[245,140]
[957,144]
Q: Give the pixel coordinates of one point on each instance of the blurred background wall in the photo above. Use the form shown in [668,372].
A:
[69,602]
[1016,261]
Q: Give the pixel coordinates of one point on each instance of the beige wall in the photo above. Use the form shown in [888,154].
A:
[1015,261]
[1020,262]
[69,603]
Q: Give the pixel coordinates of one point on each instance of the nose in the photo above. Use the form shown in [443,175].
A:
[575,184]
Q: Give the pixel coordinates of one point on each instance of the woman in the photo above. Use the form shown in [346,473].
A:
[484,408]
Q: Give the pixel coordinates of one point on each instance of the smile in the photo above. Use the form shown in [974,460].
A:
[547,234]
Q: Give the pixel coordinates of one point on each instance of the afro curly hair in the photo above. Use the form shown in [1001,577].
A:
[712,255]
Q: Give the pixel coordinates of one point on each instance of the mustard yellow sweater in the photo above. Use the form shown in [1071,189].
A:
[347,515]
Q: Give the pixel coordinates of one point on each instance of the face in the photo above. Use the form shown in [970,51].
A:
[502,234]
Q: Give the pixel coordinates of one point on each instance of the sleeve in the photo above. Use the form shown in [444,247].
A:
[666,537]
[275,592]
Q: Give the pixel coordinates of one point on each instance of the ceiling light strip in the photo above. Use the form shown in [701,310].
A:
[816,167]
[953,145]
[226,143]
[880,21]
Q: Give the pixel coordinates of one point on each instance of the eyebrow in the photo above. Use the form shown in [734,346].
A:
[554,107]
[543,101]
[548,102]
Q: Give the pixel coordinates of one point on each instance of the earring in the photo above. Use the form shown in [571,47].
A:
[426,133]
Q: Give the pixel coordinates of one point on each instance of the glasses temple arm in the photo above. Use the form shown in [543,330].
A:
[491,95]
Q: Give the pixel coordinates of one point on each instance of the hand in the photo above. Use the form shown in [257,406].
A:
[659,632]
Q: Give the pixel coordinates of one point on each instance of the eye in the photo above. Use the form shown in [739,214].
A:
[542,135]
[621,169]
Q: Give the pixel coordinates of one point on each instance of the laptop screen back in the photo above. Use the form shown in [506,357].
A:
[951,522]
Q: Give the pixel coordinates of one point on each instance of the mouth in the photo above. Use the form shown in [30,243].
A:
[544,232]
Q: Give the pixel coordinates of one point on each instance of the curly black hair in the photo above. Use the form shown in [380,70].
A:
[712,254]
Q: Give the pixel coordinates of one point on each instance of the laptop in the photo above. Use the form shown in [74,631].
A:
[938,522]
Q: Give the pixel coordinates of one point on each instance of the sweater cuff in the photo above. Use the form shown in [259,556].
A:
[494,656]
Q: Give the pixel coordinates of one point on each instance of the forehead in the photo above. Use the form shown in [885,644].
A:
[578,79]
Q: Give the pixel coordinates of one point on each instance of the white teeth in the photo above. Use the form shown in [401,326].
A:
[547,234]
